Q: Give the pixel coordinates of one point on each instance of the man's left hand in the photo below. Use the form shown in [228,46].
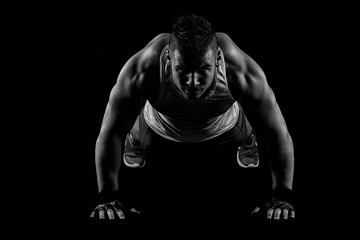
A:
[277,209]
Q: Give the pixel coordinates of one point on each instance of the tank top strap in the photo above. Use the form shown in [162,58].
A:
[221,89]
[164,74]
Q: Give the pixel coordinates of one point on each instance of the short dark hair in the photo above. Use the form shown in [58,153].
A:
[192,35]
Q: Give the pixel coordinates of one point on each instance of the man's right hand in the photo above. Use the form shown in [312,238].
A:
[111,211]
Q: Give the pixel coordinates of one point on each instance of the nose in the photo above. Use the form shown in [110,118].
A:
[193,80]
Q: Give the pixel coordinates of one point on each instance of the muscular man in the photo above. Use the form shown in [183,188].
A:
[193,92]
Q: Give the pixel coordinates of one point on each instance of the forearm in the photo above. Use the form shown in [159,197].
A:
[281,160]
[108,155]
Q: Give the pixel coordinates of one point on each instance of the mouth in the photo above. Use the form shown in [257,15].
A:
[192,93]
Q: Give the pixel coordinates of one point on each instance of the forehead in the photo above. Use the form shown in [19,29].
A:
[207,57]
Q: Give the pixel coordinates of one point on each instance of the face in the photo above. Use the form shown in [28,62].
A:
[193,78]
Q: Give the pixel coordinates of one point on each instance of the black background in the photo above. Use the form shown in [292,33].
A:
[73,55]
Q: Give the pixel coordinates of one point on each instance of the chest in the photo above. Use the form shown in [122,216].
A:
[177,107]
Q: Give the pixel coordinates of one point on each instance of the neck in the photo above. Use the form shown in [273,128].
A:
[209,92]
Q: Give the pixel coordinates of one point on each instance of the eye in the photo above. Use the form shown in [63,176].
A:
[204,70]
[179,69]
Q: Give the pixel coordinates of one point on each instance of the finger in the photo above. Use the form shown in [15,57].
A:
[277,214]
[292,214]
[269,213]
[285,214]
[101,214]
[110,214]
[92,215]
[256,210]
[120,214]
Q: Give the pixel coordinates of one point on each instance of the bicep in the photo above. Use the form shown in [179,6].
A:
[265,113]
[258,101]
[120,115]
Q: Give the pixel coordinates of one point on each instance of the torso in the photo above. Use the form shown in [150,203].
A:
[172,116]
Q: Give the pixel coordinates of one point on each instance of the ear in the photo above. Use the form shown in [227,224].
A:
[168,57]
[168,61]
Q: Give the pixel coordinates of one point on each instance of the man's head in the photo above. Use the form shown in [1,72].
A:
[193,56]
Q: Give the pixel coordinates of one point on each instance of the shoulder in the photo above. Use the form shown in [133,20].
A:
[234,56]
[154,48]
[140,71]
[148,57]
[232,53]
[245,76]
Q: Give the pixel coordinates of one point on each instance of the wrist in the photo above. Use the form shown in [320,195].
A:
[106,196]
[283,194]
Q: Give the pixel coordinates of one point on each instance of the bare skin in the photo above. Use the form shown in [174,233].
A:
[139,80]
